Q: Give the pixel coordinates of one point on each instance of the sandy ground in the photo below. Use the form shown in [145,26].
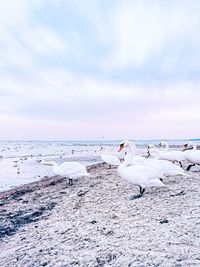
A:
[93,223]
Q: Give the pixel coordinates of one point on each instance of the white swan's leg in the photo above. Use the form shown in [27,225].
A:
[189,167]
[139,195]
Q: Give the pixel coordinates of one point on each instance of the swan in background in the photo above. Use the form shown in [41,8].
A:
[152,151]
[166,167]
[192,155]
[131,155]
[190,146]
[141,175]
[72,170]
[164,143]
[109,159]
[173,156]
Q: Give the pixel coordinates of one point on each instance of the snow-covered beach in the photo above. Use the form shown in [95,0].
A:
[93,223]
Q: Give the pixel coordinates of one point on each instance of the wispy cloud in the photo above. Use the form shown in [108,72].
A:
[143,31]
[86,69]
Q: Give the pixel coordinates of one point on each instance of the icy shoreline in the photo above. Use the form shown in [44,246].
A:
[48,223]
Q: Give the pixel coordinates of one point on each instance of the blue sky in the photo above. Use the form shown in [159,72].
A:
[85,69]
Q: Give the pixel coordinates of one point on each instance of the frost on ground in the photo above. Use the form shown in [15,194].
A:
[93,223]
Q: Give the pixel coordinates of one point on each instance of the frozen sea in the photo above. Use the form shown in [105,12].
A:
[20,163]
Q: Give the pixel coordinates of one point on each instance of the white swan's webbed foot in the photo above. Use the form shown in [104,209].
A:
[70,181]
[135,197]
[189,167]
[139,195]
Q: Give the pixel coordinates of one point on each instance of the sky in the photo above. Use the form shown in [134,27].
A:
[94,69]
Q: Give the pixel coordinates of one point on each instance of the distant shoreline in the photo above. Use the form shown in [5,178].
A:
[105,140]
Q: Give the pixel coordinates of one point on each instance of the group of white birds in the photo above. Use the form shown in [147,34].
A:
[142,171]
[151,170]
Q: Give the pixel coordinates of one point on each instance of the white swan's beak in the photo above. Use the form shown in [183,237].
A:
[160,145]
[121,147]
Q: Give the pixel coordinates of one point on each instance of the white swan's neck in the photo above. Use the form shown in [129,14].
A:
[132,148]
[153,150]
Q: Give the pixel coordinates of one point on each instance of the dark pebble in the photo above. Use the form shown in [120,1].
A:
[93,222]
[82,193]
[63,192]
[164,221]
[1,203]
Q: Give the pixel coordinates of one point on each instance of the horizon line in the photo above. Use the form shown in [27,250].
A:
[94,140]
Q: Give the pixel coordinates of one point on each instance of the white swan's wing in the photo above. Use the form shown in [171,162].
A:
[166,166]
[142,175]
[144,171]
[72,169]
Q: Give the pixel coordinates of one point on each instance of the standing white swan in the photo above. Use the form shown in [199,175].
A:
[141,175]
[166,167]
[173,156]
[109,159]
[72,170]
[193,156]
